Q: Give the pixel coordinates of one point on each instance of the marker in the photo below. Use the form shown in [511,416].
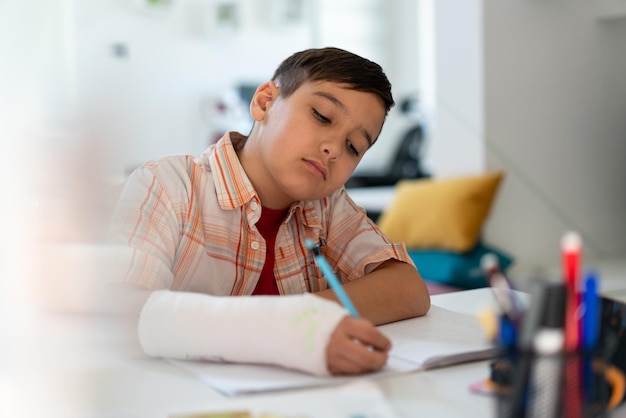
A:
[545,383]
[571,251]
[591,316]
[590,331]
[332,279]
[509,321]
[508,333]
[571,254]
[531,324]
[501,287]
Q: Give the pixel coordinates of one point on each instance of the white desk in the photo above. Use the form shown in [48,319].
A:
[77,366]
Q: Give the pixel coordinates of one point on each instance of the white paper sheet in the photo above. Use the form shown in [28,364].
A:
[357,399]
[440,338]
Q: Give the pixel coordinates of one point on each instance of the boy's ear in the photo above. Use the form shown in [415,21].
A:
[265,94]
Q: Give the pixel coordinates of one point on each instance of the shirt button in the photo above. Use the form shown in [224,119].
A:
[254,245]
[254,206]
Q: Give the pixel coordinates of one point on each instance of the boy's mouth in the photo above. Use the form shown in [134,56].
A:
[318,168]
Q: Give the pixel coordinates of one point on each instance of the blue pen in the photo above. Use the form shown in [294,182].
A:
[508,332]
[331,278]
[590,331]
[591,316]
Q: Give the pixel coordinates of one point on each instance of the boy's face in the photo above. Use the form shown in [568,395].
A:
[307,145]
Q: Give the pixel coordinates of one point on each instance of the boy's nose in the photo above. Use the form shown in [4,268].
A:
[332,149]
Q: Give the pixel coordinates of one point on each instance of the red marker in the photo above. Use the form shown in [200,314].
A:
[571,253]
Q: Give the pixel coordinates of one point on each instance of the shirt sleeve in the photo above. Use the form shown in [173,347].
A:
[354,244]
[145,221]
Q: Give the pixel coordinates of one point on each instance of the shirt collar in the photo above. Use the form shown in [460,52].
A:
[308,213]
[232,185]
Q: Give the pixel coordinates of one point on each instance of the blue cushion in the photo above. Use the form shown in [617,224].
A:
[457,269]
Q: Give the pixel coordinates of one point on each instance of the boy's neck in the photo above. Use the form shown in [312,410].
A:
[248,151]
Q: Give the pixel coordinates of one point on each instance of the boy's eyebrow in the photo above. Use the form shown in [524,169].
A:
[344,109]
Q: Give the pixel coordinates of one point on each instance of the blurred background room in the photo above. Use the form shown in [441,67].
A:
[536,90]
[90,89]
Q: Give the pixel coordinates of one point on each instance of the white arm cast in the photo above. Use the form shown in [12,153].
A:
[290,331]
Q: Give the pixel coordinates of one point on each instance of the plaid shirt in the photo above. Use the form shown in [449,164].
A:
[191,225]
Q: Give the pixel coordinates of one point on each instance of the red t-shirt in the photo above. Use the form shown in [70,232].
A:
[268,227]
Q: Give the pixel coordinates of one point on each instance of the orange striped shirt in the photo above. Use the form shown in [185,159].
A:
[191,225]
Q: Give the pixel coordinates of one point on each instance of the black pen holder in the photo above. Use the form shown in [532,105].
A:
[565,385]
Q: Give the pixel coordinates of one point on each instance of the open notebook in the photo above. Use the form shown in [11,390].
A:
[440,338]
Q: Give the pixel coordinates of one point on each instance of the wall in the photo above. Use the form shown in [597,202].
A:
[457,146]
[537,89]
[150,78]
[555,120]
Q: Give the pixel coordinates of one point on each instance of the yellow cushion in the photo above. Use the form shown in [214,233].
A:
[445,214]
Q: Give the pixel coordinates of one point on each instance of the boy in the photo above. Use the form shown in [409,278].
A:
[233,222]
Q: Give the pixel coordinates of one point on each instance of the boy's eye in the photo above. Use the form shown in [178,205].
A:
[352,148]
[320,117]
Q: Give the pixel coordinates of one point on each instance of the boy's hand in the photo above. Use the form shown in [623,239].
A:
[356,346]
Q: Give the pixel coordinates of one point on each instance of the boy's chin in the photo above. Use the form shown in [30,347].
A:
[303,195]
[299,190]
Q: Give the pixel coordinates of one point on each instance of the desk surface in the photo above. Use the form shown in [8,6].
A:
[79,366]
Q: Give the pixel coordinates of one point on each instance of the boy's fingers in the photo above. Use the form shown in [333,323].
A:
[342,365]
[368,358]
[365,333]
[356,346]
[374,339]
[355,358]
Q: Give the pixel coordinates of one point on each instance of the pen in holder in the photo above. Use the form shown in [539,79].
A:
[536,376]
[543,390]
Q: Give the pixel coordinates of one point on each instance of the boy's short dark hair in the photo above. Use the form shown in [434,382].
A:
[334,65]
